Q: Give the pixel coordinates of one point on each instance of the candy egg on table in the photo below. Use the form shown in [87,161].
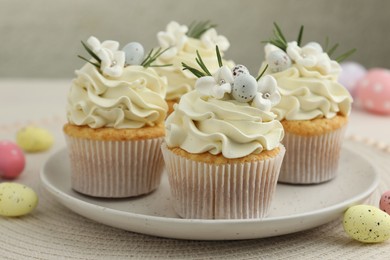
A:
[134,53]
[16,199]
[373,91]
[34,139]
[244,88]
[384,203]
[351,74]
[367,224]
[12,160]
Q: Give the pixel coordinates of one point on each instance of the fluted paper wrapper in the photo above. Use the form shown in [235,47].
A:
[311,159]
[224,191]
[115,169]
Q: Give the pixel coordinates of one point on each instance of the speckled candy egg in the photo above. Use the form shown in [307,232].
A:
[239,69]
[244,88]
[351,74]
[278,61]
[367,224]
[384,203]
[16,199]
[134,52]
[373,91]
[12,160]
[34,139]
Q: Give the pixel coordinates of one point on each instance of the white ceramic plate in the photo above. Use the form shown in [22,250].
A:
[295,207]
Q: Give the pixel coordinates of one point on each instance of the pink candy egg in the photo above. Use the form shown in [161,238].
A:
[351,74]
[384,203]
[12,160]
[373,91]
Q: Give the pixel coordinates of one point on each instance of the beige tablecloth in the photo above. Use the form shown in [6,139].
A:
[54,232]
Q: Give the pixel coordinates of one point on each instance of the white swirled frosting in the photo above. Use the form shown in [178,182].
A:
[183,49]
[132,100]
[206,124]
[305,97]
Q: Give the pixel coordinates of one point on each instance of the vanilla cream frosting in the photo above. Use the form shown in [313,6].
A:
[182,81]
[132,100]
[307,94]
[207,124]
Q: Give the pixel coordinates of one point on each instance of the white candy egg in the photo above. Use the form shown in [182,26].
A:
[16,199]
[367,224]
[244,88]
[134,53]
[278,61]
[239,69]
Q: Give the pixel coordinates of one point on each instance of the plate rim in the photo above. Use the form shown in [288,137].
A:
[60,196]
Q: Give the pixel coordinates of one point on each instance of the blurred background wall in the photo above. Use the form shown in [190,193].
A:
[41,38]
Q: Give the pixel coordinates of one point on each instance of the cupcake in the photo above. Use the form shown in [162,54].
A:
[314,107]
[116,110]
[222,148]
[183,43]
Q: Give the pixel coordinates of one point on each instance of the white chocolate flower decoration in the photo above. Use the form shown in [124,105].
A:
[210,39]
[112,60]
[267,94]
[216,85]
[174,38]
[313,57]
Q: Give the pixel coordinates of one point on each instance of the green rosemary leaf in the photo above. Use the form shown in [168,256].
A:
[147,57]
[162,65]
[278,44]
[194,71]
[299,40]
[93,63]
[197,29]
[218,56]
[91,52]
[326,45]
[279,34]
[332,50]
[345,55]
[152,57]
[262,73]
[201,64]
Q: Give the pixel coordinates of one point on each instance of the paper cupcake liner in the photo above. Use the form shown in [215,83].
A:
[311,159]
[225,191]
[115,169]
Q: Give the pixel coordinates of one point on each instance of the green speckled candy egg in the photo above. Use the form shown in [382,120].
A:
[16,199]
[367,224]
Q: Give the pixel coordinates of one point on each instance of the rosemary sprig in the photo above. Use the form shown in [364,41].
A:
[91,52]
[299,40]
[194,71]
[333,49]
[279,40]
[196,29]
[279,34]
[262,73]
[345,55]
[96,64]
[151,57]
[199,61]
[218,56]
